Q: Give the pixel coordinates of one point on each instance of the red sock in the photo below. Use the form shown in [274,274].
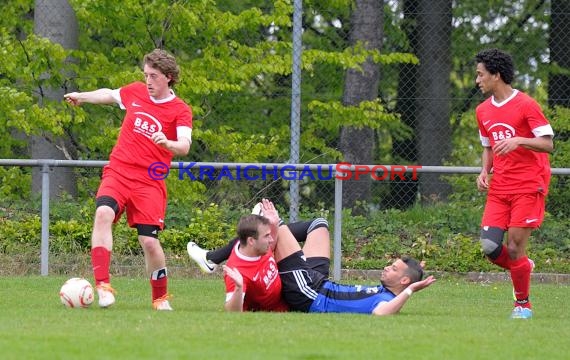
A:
[159,283]
[503,260]
[520,276]
[100,261]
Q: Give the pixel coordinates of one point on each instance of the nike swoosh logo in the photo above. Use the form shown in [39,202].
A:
[208,266]
[528,221]
[135,104]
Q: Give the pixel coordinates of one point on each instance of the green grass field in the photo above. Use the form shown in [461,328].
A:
[453,319]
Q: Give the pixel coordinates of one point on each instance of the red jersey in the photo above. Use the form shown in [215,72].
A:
[521,170]
[145,116]
[261,281]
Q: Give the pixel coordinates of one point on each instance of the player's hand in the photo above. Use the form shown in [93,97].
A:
[72,98]
[234,274]
[270,212]
[159,138]
[422,284]
[483,181]
[503,147]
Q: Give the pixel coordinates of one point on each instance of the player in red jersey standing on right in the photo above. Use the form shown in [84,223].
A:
[157,125]
[516,139]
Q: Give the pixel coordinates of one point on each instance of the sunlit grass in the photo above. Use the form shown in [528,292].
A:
[453,319]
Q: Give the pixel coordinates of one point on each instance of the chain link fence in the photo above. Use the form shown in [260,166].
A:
[422,77]
[433,95]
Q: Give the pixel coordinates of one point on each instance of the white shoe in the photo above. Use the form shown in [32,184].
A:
[199,256]
[162,303]
[257,209]
[106,295]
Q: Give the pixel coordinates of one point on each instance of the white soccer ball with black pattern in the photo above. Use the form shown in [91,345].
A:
[76,293]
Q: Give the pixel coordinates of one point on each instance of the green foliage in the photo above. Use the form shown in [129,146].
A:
[444,235]
[235,60]
[367,114]
[208,227]
[20,236]
[558,201]
[15,183]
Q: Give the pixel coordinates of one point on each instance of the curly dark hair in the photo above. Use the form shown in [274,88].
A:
[164,62]
[497,61]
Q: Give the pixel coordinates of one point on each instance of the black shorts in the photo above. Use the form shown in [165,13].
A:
[302,279]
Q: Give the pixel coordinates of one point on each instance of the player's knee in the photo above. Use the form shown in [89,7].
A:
[492,241]
[104,202]
[106,210]
[318,223]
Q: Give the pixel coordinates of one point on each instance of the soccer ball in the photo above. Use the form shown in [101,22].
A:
[76,293]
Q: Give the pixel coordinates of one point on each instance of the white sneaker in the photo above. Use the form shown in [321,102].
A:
[199,256]
[162,303]
[257,209]
[106,295]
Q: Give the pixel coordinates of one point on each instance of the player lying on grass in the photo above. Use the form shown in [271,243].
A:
[304,285]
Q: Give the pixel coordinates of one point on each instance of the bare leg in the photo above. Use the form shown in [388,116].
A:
[153,253]
[286,244]
[102,235]
[318,243]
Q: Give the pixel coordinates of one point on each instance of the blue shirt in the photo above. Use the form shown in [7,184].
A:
[337,298]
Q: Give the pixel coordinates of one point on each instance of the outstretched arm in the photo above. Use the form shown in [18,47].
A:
[393,306]
[100,96]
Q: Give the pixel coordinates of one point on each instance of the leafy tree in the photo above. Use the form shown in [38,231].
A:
[54,20]
[235,61]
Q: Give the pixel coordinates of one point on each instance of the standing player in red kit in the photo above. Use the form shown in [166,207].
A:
[516,139]
[157,126]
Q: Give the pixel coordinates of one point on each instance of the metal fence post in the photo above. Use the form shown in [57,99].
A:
[296,107]
[44,268]
[337,236]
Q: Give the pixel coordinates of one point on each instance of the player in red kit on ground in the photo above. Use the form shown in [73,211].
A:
[157,126]
[516,139]
[251,274]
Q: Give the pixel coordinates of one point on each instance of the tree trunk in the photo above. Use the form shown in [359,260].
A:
[55,20]
[357,145]
[403,193]
[433,93]
[559,84]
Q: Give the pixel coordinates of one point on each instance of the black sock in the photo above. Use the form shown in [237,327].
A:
[220,255]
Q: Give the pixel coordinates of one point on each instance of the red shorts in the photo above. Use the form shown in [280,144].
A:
[144,199]
[514,210]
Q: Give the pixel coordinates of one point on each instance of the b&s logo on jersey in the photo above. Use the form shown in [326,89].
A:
[146,124]
[501,131]
[271,274]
